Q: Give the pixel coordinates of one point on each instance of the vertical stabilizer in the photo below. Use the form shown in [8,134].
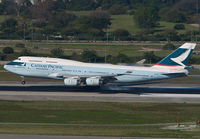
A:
[179,57]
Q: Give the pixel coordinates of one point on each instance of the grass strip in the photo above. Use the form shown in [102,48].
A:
[97,118]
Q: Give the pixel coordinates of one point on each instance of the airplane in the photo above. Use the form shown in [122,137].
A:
[75,73]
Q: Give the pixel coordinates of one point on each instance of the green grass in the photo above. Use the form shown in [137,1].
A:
[129,50]
[8,76]
[94,113]
[195,71]
[45,48]
[168,25]
[99,131]
[80,13]
[1,67]
[127,22]
[123,22]
[69,48]
[3,17]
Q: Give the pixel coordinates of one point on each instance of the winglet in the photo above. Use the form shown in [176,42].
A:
[179,57]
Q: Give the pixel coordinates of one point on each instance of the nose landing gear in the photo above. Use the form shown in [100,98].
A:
[23,82]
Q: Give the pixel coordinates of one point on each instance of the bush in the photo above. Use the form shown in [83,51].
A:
[20,45]
[122,58]
[169,46]
[13,35]
[26,52]
[171,35]
[131,12]
[2,56]
[151,57]
[179,27]
[146,17]
[36,47]
[8,50]
[117,10]
[175,16]
[121,34]
[89,55]
[9,26]
[57,52]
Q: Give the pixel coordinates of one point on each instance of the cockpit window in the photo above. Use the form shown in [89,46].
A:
[19,59]
[15,63]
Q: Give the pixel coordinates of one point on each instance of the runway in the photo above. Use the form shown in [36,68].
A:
[138,93]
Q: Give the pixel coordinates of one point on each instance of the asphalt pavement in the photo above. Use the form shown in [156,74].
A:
[52,92]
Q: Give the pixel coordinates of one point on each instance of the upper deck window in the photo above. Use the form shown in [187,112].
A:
[51,61]
[34,61]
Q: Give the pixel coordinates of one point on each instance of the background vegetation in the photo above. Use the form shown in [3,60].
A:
[100,19]
[92,53]
[93,20]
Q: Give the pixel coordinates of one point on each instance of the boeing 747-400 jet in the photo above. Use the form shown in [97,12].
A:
[76,73]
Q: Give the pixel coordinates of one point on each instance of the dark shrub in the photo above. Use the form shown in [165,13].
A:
[57,52]
[8,50]
[121,34]
[179,27]
[26,52]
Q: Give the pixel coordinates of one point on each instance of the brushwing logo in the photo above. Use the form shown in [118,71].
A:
[24,64]
[179,60]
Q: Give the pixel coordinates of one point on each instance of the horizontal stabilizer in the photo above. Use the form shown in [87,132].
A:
[172,75]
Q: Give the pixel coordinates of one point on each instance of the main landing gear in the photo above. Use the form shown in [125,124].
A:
[23,82]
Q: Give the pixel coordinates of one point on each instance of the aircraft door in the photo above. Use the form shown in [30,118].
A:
[27,66]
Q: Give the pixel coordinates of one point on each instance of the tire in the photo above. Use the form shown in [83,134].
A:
[23,82]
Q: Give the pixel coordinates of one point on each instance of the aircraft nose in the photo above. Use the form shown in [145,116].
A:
[5,67]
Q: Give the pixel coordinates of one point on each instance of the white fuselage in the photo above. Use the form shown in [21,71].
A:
[64,69]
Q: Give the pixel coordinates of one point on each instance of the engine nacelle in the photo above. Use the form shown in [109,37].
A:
[93,81]
[71,81]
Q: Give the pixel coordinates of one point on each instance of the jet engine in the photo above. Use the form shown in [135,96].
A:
[93,81]
[71,81]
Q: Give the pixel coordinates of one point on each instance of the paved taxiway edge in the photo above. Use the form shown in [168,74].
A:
[92,96]
[57,92]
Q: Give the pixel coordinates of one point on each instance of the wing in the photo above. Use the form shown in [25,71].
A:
[105,78]
[139,63]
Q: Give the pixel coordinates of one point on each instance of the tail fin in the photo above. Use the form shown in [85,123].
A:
[179,57]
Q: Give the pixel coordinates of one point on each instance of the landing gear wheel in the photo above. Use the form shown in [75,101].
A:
[23,82]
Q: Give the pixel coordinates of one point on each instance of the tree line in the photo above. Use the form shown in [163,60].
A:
[91,56]
[55,19]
